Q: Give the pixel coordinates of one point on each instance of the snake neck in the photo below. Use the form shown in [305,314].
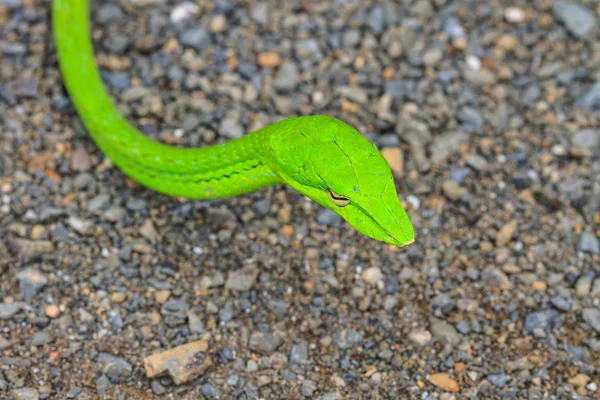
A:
[224,170]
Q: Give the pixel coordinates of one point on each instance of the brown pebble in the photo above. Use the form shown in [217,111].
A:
[52,311]
[268,59]
[162,296]
[443,381]
[182,363]
[394,157]
[539,285]
[505,234]
[507,42]
[118,297]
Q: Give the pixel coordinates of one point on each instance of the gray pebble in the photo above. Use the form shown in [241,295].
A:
[587,138]
[98,203]
[329,217]
[102,385]
[286,80]
[114,366]
[591,316]
[543,320]
[109,14]
[376,20]
[210,391]
[308,49]
[577,19]
[231,128]
[590,100]
[263,206]
[4,344]
[498,380]
[117,43]
[347,338]
[41,338]
[14,49]
[8,310]
[444,332]
[157,388]
[197,38]
[561,304]
[588,243]
[299,353]
[31,281]
[260,13]
[308,388]
[264,343]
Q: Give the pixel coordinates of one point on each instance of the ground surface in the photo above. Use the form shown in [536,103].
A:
[489,115]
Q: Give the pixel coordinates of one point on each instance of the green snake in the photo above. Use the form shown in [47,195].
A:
[320,156]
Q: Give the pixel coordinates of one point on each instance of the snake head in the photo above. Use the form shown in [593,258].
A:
[333,164]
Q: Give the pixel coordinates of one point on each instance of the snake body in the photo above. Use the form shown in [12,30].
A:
[320,156]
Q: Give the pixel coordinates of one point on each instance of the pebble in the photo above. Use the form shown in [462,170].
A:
[109,14]
[444,332]
[577,18]
[182,363]
[589,243]
[25,393]
[269,59]
[591,316]
[299,353]
[31,282]
[543,320]
[241,280]
[286,80]
[506,233]
[445,382]
[372,276]
[114,366]
[264,343]
[498,380]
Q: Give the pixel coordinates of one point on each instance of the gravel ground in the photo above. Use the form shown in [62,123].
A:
[488,112]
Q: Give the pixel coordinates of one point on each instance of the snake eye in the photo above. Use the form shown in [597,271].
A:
[338,199]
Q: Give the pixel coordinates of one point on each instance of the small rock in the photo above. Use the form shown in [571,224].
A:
[544,320]
[268,59]
[506,233]
[444,382]
[420,337]
[286,80]
[184,11]
[109,14]
[31,281]
[41,338]
[25,394]
[114,366]
[444,332]
[102,385]
[587,139]
[394,157]
[264,343]
[452,190]
[498,380]
[577,19]
[372,276]
[591,316]
[308,388]
[183,363]
[496,278]
[347,338]
[580,380]
[197,38]
[242,279]
[299,353]
[588,243]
